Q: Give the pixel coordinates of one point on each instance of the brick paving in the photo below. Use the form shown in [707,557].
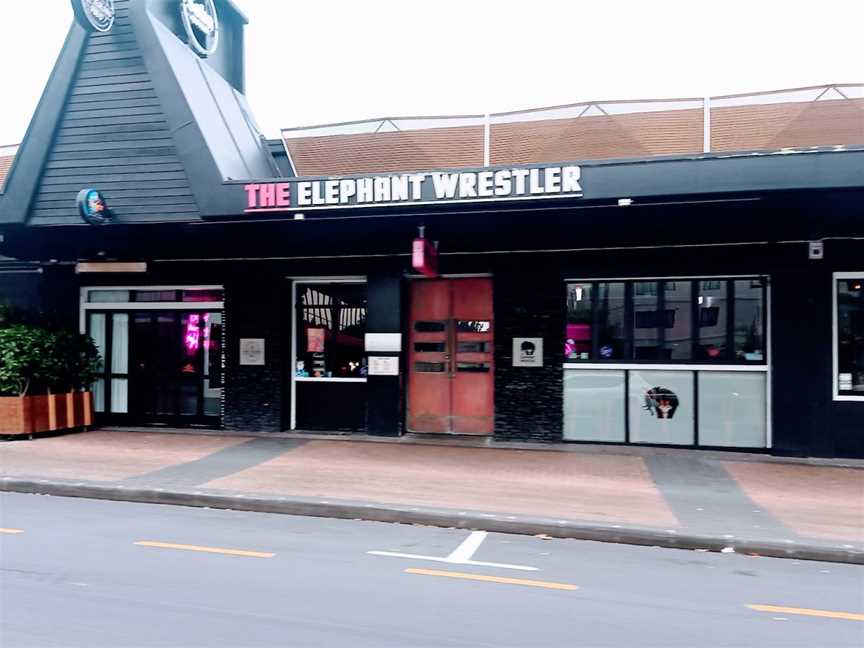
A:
[677,490]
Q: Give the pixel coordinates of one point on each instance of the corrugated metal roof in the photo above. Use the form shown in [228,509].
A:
[7,157]
[831,115]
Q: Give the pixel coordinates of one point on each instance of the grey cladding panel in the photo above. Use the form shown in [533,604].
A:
[114,136]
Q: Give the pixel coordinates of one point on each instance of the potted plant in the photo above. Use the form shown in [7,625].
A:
[44,377]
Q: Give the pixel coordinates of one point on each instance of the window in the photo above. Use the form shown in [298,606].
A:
[717,320]
[849,343]
[331,329]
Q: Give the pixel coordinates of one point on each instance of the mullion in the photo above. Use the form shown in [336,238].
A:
[595,321]
[730,320]
[695,320]
[661,320]
[628,321]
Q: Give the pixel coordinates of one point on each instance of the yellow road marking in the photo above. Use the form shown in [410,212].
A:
[849,616]
[216,550]
[11,530]
[491,579]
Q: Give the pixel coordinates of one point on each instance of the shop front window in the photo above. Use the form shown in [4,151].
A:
[716,321]
[331,328]
[849,343]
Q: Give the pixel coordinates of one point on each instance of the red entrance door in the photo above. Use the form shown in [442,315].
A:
[451,375]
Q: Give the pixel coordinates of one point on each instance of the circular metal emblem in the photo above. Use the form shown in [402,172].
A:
[92,207]
[202,25]
[95,15]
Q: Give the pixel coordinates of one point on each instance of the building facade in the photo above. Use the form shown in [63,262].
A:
[682,273]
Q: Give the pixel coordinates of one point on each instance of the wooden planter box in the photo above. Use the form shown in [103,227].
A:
[33,414]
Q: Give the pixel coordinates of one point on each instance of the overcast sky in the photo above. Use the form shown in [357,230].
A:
[311,62]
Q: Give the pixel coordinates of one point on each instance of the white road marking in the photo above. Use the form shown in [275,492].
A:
[464,551]
[459,556]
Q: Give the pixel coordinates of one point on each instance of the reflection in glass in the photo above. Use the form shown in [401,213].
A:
[748,325]
[713,308]
[611,333]
[678,344]
[646,323]
[577,337]
[850,336]
[473,326]
[594,405]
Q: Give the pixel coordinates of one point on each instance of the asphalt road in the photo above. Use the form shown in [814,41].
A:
[92,573]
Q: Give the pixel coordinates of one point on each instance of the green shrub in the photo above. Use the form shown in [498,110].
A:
[35,360]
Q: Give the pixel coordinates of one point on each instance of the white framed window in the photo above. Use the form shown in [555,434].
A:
[848,335]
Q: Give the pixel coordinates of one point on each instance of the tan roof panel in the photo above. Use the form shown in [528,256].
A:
[798,118]
[5,165]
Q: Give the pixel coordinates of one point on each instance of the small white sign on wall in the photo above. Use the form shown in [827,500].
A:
[383,366]
[527,352]
[252,351]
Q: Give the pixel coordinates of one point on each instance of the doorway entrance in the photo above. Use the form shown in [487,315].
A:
[161,350]
[451,358]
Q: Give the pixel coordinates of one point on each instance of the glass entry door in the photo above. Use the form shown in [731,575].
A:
[159,367]
[175,367]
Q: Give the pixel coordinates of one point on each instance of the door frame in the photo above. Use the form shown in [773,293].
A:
[86,307]
[295,281]
[406,337]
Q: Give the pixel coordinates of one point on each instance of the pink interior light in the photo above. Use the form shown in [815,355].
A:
[192,337]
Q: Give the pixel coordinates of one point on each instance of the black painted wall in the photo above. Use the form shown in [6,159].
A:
[384,393]
[256,306]
[529,400]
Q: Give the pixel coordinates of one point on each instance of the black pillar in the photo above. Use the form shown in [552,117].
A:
[384,315]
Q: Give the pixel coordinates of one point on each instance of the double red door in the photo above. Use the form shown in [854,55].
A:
[452,371]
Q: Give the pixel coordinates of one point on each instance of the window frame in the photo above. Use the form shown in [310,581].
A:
[835,337]
[694,361]
[293,378]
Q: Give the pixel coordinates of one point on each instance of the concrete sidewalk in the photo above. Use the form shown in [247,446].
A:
[668,497]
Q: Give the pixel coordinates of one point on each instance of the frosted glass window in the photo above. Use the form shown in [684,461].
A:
[732,409]
[99,395]
[119,395]
[120,343]
[661,408]
[97,332]
[594,405]
[108,296]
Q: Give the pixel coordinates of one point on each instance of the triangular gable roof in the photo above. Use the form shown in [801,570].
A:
[135,113]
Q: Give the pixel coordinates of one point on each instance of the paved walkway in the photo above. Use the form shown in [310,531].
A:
[721,495]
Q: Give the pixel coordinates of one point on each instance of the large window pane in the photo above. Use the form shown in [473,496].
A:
[733,409]
[120,343]
[678,344]
[119,395]
[611,329]
[713,312]
[646,321]
[578,336]
[660,406]
[331,327]
[850,336]
[749,322]
[594,405]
